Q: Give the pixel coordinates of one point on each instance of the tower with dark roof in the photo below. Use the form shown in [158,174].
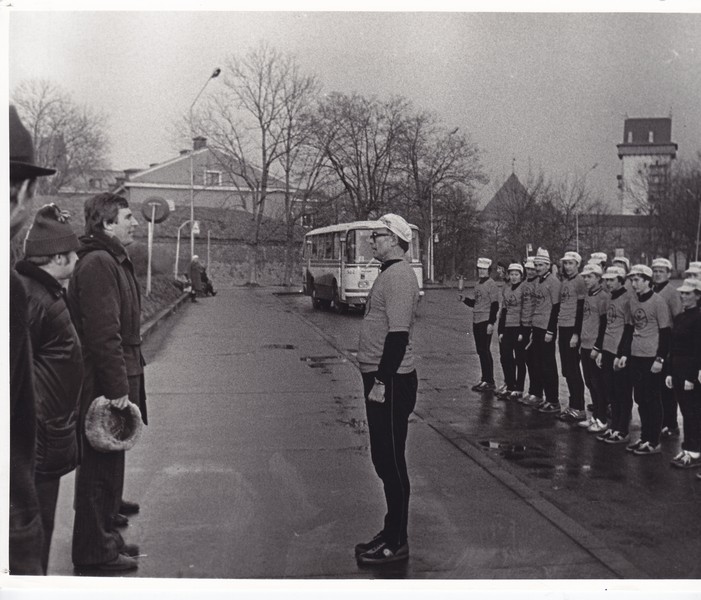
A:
[646,157]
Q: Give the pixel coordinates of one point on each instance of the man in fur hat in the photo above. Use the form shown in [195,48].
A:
[25,531]
[105,300]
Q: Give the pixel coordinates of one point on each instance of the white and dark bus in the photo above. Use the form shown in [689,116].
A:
[338,268]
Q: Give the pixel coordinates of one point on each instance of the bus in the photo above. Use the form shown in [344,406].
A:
[338,268]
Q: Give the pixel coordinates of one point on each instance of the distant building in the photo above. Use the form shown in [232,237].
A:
[646,157]
[214,182]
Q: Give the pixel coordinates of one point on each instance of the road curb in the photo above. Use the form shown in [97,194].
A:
[154,322]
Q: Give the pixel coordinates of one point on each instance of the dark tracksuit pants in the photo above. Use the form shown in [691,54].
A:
[690,405]
[647,388]
[569,360]
[669,408]
[619,393]
[483,342]
[545,364]
[388,424]
[512,354]
[98,495]
[594,380]
[535,381]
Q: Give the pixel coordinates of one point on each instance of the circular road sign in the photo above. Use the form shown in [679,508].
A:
[162,209]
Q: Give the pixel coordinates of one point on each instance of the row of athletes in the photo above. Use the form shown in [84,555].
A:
[623,332]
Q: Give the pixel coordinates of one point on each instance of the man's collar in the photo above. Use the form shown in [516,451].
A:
[389,263]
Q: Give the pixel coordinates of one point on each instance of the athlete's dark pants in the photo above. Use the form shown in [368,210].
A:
[545,364]
[690,405]
[512,354]
[483,341]
[647,387]
[594,380]
[619,393]
[388,423]
[669,408]
[569,359]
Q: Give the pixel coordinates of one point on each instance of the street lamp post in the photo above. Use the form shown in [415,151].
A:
[214,74]
[177,249]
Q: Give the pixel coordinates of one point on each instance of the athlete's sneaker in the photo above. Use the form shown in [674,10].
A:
[532,401]
[383,554]
[617,437]
[501,391]
[596,427]
[586,423]
[669,432]
[365,546]
[487,387]
[549,408]
[477,387]
[684,460]
[646,448]
[572,415]
[602,437]
[516,395]
[634,446]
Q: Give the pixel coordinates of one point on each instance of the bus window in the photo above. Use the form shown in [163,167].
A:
[350,246]
[363,249]
[414,250]
[337,245]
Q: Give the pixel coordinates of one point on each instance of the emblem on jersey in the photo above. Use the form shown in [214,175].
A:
[611,315]
[640,318]
[478,296]
[587,310]
[566,293]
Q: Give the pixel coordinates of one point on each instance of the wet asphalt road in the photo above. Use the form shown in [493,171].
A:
[256,462]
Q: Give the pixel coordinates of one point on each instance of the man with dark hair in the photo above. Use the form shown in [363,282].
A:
[49,259]
[25,531]
[105,300]
[386,359]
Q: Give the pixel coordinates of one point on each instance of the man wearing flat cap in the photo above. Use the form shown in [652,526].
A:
[386,360]
[25,531]
[49,259]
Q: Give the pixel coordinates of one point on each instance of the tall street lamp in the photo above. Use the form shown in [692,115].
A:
[214,74]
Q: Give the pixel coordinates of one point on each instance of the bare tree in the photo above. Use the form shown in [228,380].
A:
[246,123]
[431,162]
[69,137]
[359,137]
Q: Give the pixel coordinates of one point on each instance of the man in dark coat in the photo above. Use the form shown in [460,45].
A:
[25,530]
[49,258]
[105,301]
[196,273]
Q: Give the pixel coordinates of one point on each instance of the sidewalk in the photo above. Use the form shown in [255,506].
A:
[256,464]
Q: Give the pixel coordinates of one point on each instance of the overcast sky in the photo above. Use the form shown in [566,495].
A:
[550,90]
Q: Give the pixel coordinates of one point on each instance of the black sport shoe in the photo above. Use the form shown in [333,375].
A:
[365,546]
[127,507]
[383,554]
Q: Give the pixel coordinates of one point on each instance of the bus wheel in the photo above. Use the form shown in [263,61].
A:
[316,302]
[339,307]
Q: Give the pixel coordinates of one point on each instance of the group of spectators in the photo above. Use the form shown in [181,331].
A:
[75,312]
[625,333]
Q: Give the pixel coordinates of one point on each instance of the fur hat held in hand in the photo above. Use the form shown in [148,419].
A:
[109,429]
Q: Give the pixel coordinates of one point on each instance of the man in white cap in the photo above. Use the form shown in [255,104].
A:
[485,306]
[694,271]
[684,372]
[573,291]
[643,349]
[661,275]
[544,332]
[617,382]
[25,527]
[598,258]
[511,349]
[592,339]
[535,386]
[386,359]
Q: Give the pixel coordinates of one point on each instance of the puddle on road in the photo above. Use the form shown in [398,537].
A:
[324,362]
